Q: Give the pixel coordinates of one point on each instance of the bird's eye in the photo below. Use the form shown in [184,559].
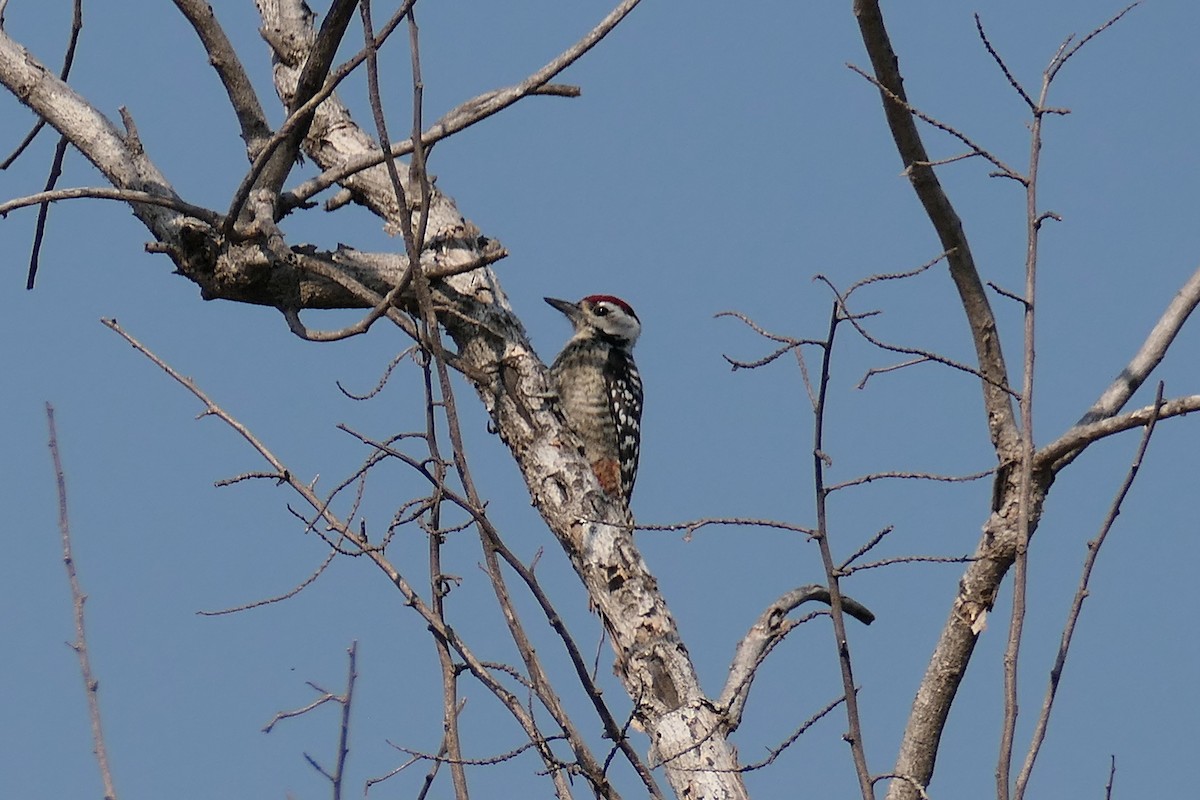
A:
[601,311]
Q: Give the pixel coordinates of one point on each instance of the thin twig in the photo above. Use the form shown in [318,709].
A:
[295,590]
[866,547]
[485,761]
[923,355]
[887,562]
[920,476]
[787,342]
[1061,60]
[1006,293]
[695,525]
[894,276]
[347,701]
[854,734]
[280,716]
[78,599]
[873,371]
[774,752]
[108,193]
[1093,552]
[1013,82]
[1004,169]
[39,231]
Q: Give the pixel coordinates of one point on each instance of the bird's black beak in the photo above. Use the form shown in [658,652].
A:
[570,309]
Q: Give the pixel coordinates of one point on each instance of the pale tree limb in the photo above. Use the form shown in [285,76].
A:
[300,107]
[68,60]
[414,234]
[308,82]
[768,631]
[78,599]
[1149,355]
[93,134]
[108,193]
[1055,455]
[258,269]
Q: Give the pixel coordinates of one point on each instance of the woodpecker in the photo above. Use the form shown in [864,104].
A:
[599,388]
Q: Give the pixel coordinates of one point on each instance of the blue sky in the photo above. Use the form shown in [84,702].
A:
[716,160]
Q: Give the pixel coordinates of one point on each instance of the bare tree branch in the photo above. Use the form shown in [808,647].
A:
[1025,501]
[224,59]
[898,99]
[800,731]
[1013,82]
[1148,356]
[346,701]
[695,525]
[767,632]
[105,193]
[78,599]
[1093,552]
[1001,420]
[1059,453]
[854,734]
[1022,478]
[295,590]
[308,83]
[920,476]
[1068,51]
[474,110]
